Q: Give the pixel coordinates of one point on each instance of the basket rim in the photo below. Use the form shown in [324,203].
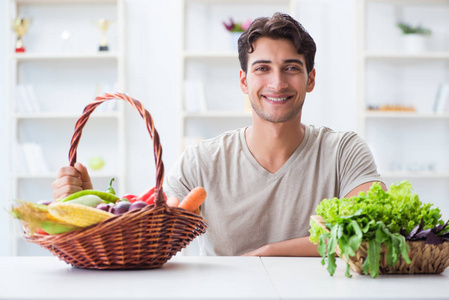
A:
[113,222]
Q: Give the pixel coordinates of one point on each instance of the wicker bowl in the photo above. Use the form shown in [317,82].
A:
[425,258]
[139,239]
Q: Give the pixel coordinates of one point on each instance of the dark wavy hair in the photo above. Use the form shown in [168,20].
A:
[279,26]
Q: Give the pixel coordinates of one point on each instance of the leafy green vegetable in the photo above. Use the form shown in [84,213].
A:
[377,217]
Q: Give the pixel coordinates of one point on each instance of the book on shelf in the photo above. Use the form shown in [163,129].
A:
[25,99]
[30,159]
[20,164]
[194,97]
[441,104]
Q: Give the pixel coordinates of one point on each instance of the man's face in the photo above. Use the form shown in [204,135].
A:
[276,80]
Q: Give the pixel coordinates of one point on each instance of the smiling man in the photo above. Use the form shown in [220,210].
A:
[265,181]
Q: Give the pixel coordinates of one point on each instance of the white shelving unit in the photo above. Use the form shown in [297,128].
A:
[406,145]
[210,65]
[64,76]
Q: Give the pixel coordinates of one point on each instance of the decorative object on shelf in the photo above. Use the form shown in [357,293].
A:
[392,107]
[236,30]
[414,37]
[103,24]
[96,163]
[21,26]
[65,37]
[442,99]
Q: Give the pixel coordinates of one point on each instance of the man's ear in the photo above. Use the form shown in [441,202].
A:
[243,85]
[311,81]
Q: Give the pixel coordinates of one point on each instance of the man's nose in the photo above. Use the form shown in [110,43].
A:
[277,81]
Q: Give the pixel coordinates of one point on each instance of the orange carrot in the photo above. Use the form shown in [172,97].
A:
[173,201]
[194,199]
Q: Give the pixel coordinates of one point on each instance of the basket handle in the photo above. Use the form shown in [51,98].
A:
[157,149]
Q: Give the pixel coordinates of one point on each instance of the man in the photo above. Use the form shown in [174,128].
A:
[264,181]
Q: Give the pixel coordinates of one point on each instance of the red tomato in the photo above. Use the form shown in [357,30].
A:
[41,231]
[131,198]
[148,196]
[150,200]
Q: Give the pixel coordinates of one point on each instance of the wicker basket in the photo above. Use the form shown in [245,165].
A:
[425,258]
[138,239]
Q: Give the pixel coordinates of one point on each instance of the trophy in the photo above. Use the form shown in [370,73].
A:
[103,25]
[20,26]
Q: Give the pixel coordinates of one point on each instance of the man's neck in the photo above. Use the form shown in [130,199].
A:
[272,144]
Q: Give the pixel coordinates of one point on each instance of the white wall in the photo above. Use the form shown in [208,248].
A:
[153,50]
[331,24]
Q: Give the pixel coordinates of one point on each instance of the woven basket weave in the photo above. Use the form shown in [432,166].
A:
[138,239]
[425,258]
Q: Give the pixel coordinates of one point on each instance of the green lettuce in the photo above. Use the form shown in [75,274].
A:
[377,217]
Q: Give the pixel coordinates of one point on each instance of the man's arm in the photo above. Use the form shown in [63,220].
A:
[301,246]
[294,247]
[363,188]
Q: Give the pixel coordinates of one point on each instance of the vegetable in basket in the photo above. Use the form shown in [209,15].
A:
[88,200]
[194,199]
[38,219]
[147,197]
[77,214]
[107,197]
[378,217]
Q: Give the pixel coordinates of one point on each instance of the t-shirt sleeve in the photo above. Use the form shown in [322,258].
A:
[181,178]
[356,164]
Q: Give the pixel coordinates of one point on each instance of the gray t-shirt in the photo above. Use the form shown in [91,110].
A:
[247,206]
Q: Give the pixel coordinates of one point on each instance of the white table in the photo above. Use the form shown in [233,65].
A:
[305,278]
[195,277]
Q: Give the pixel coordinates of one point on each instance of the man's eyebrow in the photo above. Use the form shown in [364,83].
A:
[261,61]
[289,61]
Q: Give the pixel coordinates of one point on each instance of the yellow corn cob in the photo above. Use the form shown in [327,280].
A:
[77,214]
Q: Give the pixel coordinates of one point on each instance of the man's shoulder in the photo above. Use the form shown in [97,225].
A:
[327,134]
[222,142]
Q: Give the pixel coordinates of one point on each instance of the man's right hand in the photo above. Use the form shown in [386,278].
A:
[71,180]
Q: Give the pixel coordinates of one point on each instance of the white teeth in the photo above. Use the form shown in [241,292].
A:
[276,99]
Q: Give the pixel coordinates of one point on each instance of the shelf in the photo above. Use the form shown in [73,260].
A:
[408,56]
[56,116]
[416,175]
[218,114]
[62,80]
[62,56]
[404,115]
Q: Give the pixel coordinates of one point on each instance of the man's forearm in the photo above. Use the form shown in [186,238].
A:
[294,247]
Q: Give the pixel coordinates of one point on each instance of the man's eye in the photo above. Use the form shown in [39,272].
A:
[261,69]
[293,68]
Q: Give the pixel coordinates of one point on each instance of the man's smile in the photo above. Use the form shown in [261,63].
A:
[277,99]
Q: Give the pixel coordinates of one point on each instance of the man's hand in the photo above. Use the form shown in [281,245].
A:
[294,247]
[71,180]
